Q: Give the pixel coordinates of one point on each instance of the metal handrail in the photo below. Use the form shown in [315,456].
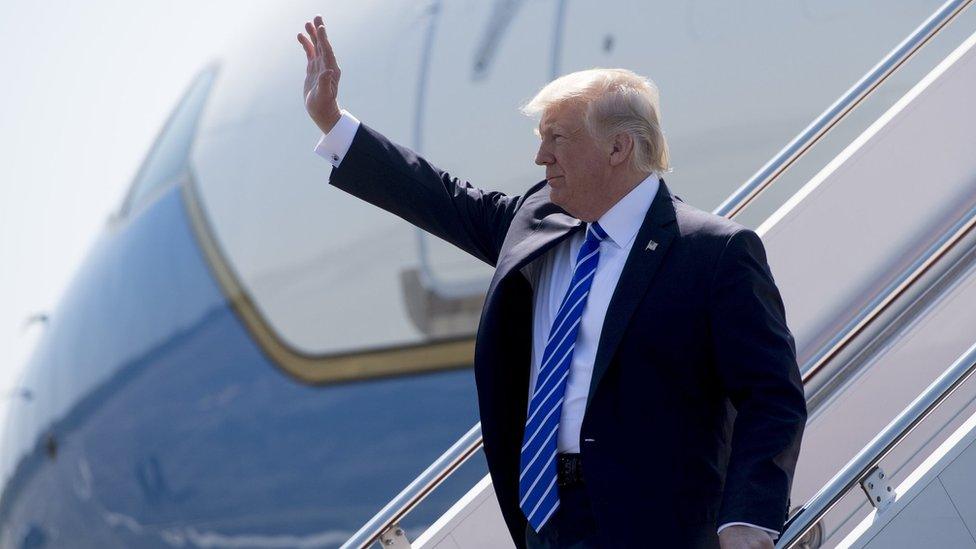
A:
[458,453]
[413,494]
[796,148]
[817,129]
[922,265]
[858,468]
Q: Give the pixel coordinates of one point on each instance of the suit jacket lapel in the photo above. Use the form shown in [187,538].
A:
[642,263]
[553,224]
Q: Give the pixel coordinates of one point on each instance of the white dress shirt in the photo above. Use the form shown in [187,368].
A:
[550,275]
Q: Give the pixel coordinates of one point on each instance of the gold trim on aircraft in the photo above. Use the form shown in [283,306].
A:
[442,354]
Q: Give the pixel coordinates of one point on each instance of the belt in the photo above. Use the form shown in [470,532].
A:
[569,469]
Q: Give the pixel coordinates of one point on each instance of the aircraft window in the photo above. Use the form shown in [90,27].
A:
[169,156]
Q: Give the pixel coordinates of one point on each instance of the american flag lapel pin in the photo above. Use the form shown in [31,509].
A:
[651,246]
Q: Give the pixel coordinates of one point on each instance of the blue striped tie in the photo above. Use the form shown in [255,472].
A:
[537,482]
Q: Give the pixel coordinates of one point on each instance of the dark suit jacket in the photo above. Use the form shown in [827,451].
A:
[696,407]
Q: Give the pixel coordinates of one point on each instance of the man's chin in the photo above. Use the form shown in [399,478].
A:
[556,198]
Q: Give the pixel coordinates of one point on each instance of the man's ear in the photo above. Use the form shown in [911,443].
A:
[621,147]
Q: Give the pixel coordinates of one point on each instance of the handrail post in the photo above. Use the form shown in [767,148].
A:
[860,467]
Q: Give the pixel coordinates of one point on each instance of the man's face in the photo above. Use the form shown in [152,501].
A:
[576,165]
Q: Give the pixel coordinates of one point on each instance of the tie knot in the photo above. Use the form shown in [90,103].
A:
[595,233]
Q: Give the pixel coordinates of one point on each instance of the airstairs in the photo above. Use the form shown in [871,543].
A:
[876,260]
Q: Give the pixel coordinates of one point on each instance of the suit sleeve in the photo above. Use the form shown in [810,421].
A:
[402,182]
[756,359]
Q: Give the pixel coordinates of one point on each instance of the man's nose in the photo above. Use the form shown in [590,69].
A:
[542,157]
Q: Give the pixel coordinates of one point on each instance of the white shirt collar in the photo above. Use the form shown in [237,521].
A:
[624,219]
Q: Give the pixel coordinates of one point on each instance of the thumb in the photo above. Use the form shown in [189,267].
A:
[327,74]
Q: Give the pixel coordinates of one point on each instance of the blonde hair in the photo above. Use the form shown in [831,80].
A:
[616,101]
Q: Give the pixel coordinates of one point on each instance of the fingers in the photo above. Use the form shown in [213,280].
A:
[309,42]
[306,45]
[310,29]
[314,31]
[314,41]
[316,44]
[330,58]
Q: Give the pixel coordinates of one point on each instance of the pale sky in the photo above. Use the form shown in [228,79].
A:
[85,88]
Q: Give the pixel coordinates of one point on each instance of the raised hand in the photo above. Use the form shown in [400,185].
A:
[321,76]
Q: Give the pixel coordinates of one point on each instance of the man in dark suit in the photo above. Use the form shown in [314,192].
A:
[636,379]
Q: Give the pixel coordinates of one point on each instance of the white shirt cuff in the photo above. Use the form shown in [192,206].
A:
[772,533]
[334,145]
